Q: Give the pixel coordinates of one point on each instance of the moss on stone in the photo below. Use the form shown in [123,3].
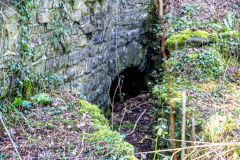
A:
[112,138]
[201,34]
[103,133]
[93,111]
[177,41]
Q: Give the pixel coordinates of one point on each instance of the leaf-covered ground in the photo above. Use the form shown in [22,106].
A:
[67,128]
[125,118]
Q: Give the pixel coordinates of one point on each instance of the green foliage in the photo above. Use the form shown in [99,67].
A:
[127,125]
[42,98]
[57,26]
[229,21]
[18,102]
[113,139]
[196,69]
[198,64]
[228,43]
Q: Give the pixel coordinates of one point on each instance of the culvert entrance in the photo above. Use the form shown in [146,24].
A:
[130,83]
[132,111]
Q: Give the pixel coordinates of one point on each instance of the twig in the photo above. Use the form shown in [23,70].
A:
[112,100]
[187,141]
[125,110]
[82,146]
[15,147]
[135,125]
[139,105]
[193,132]
[191,147]
[204,155]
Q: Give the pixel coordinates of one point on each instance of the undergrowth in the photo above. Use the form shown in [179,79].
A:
[202,71]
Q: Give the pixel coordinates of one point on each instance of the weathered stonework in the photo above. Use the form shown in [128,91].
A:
[105,37]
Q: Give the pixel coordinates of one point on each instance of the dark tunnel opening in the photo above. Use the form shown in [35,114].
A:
[130,83]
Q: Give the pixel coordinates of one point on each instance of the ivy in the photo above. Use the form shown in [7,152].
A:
[21,80]
[58,29]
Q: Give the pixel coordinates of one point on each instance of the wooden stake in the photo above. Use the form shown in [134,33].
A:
[183,125]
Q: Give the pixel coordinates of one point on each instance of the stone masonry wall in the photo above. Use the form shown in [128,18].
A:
[104,37]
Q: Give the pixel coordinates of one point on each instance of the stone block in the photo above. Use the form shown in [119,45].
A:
[80,69]
[43,17]
[76,16]
[133,35]
[45,4]
[51,64]
[81,6]
[70,73]
[76,57]
[82,41]
[63,61]
[97,38]
[97,8]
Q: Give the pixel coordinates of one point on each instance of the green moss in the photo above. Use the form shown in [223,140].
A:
[186,32]
[113,138]
[201,34]
[93,111]
[103,133]
[28,88]
[177,41]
